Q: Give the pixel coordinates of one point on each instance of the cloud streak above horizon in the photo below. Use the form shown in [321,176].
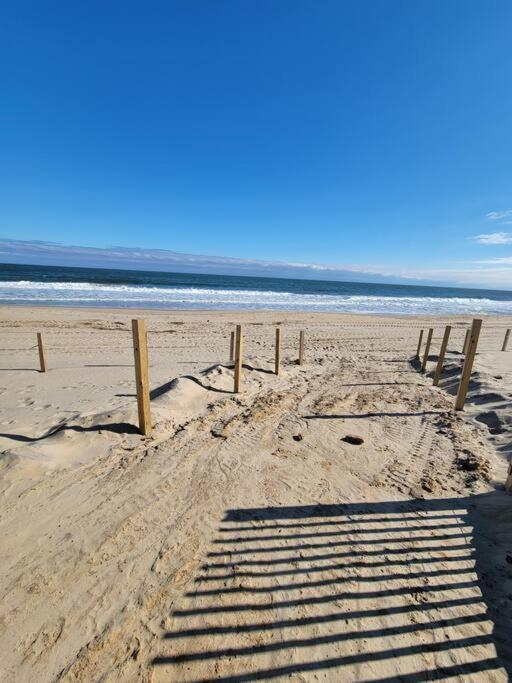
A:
[52,253]
[494,238]
[500,216]
[132,258]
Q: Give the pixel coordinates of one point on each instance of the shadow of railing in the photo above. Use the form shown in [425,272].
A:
[368,591]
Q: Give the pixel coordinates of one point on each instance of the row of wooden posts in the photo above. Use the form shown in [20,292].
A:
[140,352]
[236,341]
[236,356]
[468,349]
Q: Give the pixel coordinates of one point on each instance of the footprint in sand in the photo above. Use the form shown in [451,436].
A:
[43,407]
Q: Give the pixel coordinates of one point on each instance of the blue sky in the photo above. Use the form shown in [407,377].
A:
[373,135]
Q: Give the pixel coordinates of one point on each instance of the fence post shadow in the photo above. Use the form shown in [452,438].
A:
[342,588]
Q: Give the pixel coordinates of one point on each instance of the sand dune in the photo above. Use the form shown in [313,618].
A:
[250,538]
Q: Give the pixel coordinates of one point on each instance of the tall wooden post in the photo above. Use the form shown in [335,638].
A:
[278,350]
[140,354]
[468,364]
[442,352]
[505,341]
[419,344]
[466,340]
[40,346]
[508,482]
[232,346]
[301,347]
[238,358]
[427,349]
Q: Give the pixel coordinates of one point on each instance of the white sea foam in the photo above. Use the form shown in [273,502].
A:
[86,293]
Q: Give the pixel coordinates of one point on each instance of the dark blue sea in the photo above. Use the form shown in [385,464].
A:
[63,286]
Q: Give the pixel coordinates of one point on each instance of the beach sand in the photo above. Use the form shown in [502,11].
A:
[250,537]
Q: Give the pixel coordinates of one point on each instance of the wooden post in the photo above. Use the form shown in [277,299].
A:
[442,352]
[238,358]
[468,364]
[232,346]
[505,341]
[278,350]
[508,482]
[419,344]
[140,354]
[466,340]
[427,349]
[42,359]
[301,347]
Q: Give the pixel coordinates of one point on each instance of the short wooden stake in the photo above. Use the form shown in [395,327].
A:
[466,340]
[427,349]
[40,346]
[468,364]
[232,346]
[140,354]
[278,350]
[505,341]
[301,347]
[419,344]
[442,352]
[239,341]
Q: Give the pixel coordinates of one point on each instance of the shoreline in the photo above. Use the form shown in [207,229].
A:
[126,310]
[148,290]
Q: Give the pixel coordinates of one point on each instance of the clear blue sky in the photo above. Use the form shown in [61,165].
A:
[374,133]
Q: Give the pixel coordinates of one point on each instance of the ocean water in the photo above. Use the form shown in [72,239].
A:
[62,286]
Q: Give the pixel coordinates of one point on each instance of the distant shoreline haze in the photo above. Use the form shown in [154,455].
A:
[51,254]
[40,253]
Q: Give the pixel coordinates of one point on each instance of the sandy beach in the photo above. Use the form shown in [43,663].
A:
[252,536]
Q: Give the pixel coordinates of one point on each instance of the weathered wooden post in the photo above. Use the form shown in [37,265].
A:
[301,347]
[40,346]
[442,352]
[505,341]
[232,346]
[466,340]
[238,358]
[278,350]
[419,345]
[140,354]
[508,482]
[427,349]
[468,364]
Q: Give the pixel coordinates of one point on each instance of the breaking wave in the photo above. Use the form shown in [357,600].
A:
[119,295]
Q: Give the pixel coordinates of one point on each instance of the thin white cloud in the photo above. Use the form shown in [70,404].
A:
[494,238]
[498,215]
[503,260]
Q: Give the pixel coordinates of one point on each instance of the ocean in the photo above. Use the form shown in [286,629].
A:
[63,286]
